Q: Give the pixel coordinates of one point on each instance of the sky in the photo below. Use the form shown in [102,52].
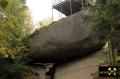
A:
[41,9]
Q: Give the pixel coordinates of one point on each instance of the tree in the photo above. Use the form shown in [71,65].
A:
[106,21]
[13,28]
[3,3]
[45,22]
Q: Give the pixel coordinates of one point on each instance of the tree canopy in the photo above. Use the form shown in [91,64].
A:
[14,27]
[106,21]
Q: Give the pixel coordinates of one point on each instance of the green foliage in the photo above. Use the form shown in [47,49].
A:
[116,39]
[106,22]
[3,3]
[15,70]
[13,28]
[106,15]
[118,58]
[106,19]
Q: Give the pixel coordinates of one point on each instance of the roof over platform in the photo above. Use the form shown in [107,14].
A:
[68,7]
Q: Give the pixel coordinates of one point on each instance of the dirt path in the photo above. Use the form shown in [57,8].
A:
[80,69]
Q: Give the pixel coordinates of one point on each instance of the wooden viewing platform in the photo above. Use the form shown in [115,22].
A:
[68,7]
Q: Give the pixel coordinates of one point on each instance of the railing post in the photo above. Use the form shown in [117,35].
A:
[82,3]
[71,7]
[52,11]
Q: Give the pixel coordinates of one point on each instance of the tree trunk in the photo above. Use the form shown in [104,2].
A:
[109,52]
[110,46]
[113,53]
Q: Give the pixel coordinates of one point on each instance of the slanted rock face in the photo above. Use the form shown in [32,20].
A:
[66,38]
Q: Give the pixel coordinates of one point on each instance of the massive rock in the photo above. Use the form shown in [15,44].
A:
[67,38]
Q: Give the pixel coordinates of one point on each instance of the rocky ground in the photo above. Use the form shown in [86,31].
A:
[82,68]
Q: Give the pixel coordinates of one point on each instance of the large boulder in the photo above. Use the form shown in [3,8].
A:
[67,38]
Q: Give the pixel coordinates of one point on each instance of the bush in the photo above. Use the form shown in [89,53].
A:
[15,69]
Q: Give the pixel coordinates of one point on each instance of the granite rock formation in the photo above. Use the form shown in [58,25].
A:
[69,37]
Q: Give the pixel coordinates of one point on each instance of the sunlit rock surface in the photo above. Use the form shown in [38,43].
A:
[67,38]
